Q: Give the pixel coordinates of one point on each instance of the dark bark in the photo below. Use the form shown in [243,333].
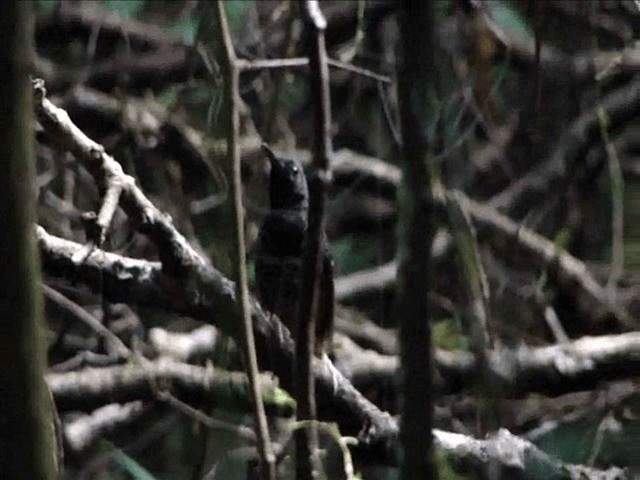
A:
[311,296]
[26,442]
[416,92]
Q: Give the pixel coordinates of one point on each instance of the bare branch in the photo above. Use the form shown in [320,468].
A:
[231,74]
[184,346]
[142,282]
[306,441]
[551,370]
[620,106]
[85,430]
[508,238]
[174,250]
[82,315]
[93,387]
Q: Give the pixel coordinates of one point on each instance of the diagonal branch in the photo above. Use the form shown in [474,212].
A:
[175,252]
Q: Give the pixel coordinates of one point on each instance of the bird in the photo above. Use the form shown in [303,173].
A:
[278,261]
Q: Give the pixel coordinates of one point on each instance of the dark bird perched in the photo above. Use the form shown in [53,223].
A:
[279,251]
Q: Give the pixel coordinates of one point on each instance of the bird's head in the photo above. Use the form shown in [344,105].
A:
[287,183]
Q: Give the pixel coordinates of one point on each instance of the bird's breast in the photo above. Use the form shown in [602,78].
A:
[282,235]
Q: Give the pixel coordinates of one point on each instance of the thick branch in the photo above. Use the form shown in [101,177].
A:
[175,252]
[94,387]
[514,458]
[552,370]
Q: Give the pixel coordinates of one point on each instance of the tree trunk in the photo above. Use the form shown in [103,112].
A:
[26,441]
[416,94]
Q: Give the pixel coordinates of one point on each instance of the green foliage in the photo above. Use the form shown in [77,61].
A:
[509,18]
[215,105]
[561,242]
[251,273]
[285,405]
[562,239]
[137,471]
[429,108]
[187,26]
[44,6]
[593,440]
[297,89]
[445,469]
[168,96]
[632,254]
[236,12]
[334,449]
[443,9]
[352,253]
[447,334]
[126,8]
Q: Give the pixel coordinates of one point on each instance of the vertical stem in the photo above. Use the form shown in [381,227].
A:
[26,441]
[418,117]
[232,74]
[306,441]
[476,311]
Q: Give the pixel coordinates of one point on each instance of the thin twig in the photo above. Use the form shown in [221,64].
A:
[107,209]
[240,431]
[264,64]
[90,388]
[388,116]
[616,182]
[359,70]
[92,322]
[85,431]
[232,74]
[306,441]
[477,309]
[350,51]
[247,66]
[551,317]
[617,207]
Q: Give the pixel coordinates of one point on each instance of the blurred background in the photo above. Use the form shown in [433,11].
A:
[538,118]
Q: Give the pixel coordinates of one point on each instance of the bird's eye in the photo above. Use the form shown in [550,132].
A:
[295,169]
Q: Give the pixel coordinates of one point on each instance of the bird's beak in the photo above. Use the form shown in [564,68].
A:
[270,154]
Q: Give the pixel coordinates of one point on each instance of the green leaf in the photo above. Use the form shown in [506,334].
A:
[137,471]
[447,335]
